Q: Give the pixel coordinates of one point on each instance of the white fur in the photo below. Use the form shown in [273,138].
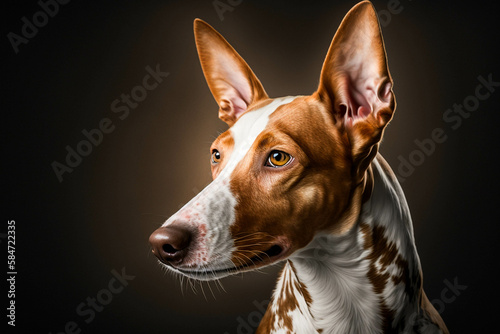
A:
[302,321]
[247,129]
[334,268]
[212,211]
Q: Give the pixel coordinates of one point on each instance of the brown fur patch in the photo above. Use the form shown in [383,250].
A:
[224,144]
[308,195]
[385,253]
[286,302]
[301,286]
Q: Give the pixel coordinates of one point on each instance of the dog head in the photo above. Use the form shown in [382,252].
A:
[287,168]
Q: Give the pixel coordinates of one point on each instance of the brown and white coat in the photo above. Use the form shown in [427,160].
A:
[300,178]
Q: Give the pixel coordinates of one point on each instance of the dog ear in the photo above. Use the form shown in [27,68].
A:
[230,79]
[356,85]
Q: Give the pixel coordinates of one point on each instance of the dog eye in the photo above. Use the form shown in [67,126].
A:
[216,156]
[278,159]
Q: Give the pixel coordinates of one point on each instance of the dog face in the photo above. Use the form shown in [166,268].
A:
[287,168]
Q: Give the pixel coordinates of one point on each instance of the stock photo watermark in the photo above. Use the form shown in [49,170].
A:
[87,309]
[121,107]
[222,6]
[11,272]
[252,321]
[447,296]
[394,7]
[453,117]
[30,26]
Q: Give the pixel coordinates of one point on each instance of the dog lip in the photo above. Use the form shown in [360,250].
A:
[275,253]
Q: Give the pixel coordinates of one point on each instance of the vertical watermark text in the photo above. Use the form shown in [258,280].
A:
[122,107]
[454,118]
[30,27]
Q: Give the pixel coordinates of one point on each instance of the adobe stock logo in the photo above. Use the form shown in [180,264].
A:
[221,7]
[122,108]
[448,295]
[30,27]
[249,325]
[88,309]
[453,117]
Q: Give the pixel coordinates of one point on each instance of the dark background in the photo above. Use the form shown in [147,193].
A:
[70,235]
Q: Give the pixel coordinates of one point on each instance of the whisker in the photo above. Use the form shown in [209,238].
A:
[202,290]
[211,291]
[219,283]
[241,236]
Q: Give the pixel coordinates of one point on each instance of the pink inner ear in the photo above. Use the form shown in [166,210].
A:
[238,103]
[235,89]
[233,104]
[358,98]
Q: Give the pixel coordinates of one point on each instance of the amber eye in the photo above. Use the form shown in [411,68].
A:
[278,159]
[216,157]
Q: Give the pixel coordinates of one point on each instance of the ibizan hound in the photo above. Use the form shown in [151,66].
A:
[299,178]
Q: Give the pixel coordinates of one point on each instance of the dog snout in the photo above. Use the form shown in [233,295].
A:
[170,244]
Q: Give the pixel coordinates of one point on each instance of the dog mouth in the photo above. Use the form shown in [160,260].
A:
[261,259]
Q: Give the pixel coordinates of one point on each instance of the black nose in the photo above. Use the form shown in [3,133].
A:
[170,243]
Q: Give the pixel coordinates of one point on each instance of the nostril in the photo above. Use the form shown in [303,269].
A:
[170,243]
[169,249]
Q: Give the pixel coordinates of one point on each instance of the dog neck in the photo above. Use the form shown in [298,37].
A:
[366,280]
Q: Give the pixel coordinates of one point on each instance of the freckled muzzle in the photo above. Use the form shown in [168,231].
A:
[197,240]
[198,235]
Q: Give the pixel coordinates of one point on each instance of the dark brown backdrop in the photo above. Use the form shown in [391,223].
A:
[71,235]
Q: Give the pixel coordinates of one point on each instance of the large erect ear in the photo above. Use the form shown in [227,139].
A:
[356,84]
[230,79]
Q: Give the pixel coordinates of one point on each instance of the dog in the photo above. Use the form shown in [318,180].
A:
[300,179]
